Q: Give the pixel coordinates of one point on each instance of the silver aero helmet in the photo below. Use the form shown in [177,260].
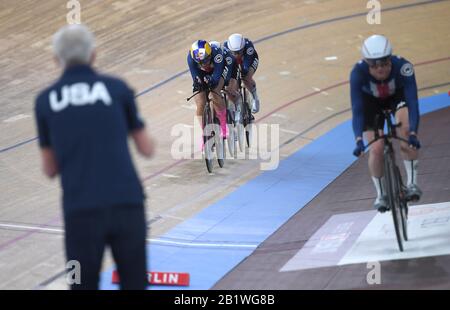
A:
[236,42]
[215,44]
[376,47]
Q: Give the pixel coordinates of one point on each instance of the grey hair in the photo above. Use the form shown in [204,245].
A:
[74,44]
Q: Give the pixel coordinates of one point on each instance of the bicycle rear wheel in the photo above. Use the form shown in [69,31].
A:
[393,196]
[219,143]
[248,119]
[241,128]
[231,139]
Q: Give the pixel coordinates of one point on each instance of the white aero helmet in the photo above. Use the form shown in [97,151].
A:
[376,47]
[236,42]
[215,43]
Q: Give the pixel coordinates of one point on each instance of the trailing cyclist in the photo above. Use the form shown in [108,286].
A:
[231,84]
[384,81]
[246,57]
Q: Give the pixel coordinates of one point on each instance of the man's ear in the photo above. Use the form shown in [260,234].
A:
[93,57]
[57,62]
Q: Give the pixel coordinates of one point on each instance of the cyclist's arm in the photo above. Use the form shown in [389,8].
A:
[410,91]
[219,65]
[196,82]
[249,56]
[356,96]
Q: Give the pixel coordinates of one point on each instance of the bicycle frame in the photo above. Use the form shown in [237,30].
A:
[394,185]
[210,135]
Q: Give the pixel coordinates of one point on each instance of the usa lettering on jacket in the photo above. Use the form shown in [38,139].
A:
[79,94]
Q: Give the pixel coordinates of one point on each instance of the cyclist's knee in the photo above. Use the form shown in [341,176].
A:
[403,131]
[376,150]
[233,95]
[249,83]
[199,111]
[218,100]
[200,99]
[250,74]
[405,148]
[233,86]
[200,103]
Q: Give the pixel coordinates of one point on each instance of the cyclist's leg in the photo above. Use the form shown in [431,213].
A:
[376,156]
[219,106]
[232,90]
[410,155]
[376,169]
[403,131]
[250,83]
[200,101]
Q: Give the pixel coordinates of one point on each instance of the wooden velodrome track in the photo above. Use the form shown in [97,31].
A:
[146,42]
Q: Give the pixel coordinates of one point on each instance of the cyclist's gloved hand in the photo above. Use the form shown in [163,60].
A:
[198,84]
[359,149]
[414,142]
[208,80]
[197,87]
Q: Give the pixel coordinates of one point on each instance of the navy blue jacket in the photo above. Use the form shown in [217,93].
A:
[85,118]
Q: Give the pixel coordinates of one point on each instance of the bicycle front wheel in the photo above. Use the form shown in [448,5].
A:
[219,143]
[402,203]
[393,197]
[208,138]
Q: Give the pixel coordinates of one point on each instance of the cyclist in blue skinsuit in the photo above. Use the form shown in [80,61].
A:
[231,83]
[246,57]
[384,81]
[208,70]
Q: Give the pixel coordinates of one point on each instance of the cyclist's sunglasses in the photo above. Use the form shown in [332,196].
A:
[381,62]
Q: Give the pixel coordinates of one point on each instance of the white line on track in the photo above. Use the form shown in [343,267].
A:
[29,227]
[289,131]
[151,240]
[189,106]
[196,244]
[172,176]
[16,118]
[279,115]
